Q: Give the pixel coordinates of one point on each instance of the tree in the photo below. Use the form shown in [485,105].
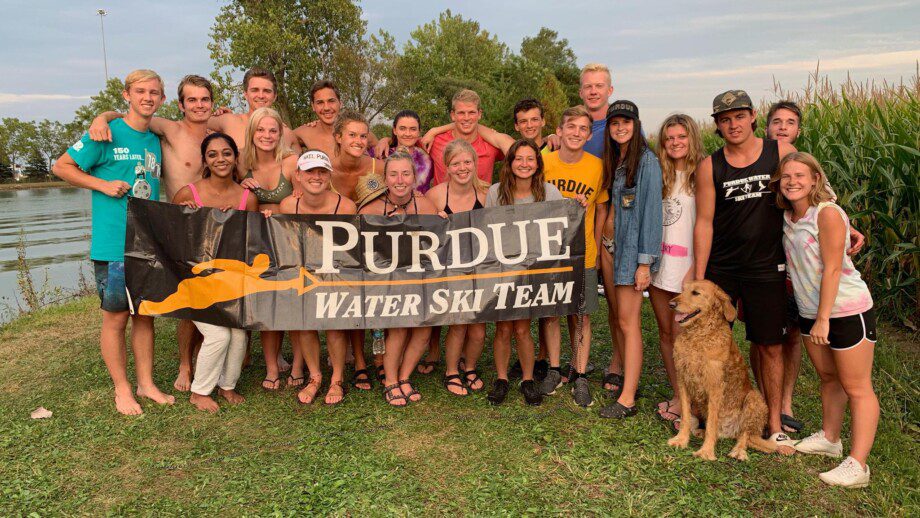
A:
[36,166]
[297,40]
[555,55]
[444,56]
[16,139]
[53,138]
[517,79]
[370,77]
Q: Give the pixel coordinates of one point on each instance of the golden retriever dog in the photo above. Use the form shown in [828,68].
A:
[712,376]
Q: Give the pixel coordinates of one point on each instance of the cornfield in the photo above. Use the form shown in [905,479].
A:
[867,137]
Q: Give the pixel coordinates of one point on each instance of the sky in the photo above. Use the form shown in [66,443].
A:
[665,55]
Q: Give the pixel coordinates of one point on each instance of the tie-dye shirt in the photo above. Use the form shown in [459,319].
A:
[803,260]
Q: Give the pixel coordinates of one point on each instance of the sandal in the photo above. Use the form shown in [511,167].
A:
[453,380]
[393,393]
[471,377]
[314,383]
[614,379]
[426,366]
[618,411]
[293,381]
[337,384]
[361,377]
[381,375]
[411,393]
[275,384]
[664,412]
[791,424]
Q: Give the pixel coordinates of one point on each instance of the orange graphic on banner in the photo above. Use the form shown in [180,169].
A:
[236,279]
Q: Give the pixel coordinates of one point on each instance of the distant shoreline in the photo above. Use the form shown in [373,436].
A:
[31,185]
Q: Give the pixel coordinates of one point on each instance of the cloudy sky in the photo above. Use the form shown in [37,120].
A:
[665,55]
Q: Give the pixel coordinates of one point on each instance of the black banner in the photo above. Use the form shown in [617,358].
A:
[290,272]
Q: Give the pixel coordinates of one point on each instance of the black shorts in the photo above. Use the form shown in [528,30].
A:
[765,303]
[845,332]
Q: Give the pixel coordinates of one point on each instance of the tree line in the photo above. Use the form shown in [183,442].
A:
[303,41]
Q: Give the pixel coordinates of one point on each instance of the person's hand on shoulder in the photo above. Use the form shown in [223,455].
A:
[99,130]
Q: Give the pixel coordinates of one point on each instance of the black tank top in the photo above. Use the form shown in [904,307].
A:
[447,209]
[747,227]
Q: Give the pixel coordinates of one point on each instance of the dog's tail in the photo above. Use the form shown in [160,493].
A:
[761,444]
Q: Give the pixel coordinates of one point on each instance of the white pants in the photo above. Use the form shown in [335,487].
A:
[220,359]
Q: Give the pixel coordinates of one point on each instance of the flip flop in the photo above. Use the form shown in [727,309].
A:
[362,377]
[793,424]
[273,382]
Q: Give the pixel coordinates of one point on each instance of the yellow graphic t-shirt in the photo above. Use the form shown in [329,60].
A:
[583,177]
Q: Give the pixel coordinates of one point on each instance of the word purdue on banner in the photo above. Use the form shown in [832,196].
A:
[289,272]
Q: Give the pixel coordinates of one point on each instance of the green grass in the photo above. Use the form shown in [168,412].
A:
[445,455]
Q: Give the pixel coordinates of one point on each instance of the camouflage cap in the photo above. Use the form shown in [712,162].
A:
[731,100]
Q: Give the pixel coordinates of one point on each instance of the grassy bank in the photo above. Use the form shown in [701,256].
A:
[30,185]
[444,455]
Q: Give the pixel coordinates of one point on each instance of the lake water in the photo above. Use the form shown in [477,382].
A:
[56,226]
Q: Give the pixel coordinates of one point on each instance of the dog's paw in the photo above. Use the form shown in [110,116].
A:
[678,442]
[738,453]
[705,454]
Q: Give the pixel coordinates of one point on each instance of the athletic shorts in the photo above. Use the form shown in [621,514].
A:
[110,285]
[591,300]
[765,316]
[845,332]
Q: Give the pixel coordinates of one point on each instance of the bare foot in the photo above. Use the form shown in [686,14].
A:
[336,393]
[412,394]
[126,404]
[308,393]
[232,396]
[283,365]
[156,395]
[183,381]
[204,403]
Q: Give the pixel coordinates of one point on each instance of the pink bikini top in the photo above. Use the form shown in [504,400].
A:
[197,198]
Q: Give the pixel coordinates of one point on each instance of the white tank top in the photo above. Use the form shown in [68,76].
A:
[803,261]
[678,217]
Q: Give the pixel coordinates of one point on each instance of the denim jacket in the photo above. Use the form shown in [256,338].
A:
[637,220]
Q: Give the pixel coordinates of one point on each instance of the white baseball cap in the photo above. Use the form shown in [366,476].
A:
[313,159]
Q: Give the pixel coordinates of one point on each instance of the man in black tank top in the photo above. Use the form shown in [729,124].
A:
[737,238]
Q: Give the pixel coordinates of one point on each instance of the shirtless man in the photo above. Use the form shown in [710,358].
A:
[260,90]
[326,103]
[182,165]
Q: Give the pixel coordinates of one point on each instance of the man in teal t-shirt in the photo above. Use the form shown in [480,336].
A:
[129,165]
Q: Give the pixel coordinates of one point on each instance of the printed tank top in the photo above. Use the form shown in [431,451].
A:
[747,227]
[282,191]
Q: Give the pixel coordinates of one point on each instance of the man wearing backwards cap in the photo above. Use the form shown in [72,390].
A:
[737,239]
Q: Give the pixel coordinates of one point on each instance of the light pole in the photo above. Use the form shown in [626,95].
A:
[105,61]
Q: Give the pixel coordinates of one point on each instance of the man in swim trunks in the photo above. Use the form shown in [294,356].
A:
[129,165]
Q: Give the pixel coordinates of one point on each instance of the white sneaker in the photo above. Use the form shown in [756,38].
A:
[849,473]
[817,444]
[781,439]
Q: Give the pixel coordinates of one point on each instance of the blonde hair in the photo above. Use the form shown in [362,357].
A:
[818,195]
[143,74]
[248,159]
[694,154]
[596,67]
[465,96]
[342,120]
[401,153]
[458,147]
[573,113]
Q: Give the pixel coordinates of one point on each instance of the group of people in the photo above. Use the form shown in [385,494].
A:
[750,217]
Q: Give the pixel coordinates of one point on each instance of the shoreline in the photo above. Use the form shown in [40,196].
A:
[32,185]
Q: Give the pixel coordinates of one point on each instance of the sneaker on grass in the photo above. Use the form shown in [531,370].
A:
[581,392]
[532,395]
[551,381]
[849,473]
[781,439]
[817,444]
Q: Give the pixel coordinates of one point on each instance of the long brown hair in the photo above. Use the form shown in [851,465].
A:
[506,178]
[694,154]
[634,149]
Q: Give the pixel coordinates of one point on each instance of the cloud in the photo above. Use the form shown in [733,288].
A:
[6,98]
[708,23]
[665,69]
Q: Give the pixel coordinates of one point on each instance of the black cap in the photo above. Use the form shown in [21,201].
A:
[626,109]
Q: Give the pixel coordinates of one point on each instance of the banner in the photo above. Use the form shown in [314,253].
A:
[290,272]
